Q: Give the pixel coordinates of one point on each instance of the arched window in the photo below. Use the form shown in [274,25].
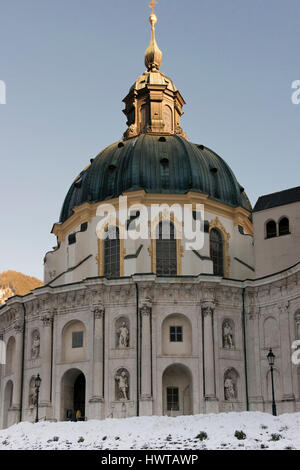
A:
[217,251]
[284,226]
[271,231]
[168,119]
[10,356]
[73,341]
[166,250]
[144,118]
[111,256]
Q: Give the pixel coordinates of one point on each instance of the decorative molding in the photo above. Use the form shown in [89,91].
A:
[87,211]
[47,319]
[98,312]
[146,307]
[19,326]
[283,307]
[207,308]
[96,400]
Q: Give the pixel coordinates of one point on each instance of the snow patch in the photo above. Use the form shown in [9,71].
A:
[258,431]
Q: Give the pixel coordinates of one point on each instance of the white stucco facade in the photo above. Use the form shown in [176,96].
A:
[261,315]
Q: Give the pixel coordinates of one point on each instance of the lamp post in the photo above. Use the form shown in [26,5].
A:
[271,360]
[37,391]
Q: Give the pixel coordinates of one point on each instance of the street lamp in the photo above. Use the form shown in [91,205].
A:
[271,360]
[37,382]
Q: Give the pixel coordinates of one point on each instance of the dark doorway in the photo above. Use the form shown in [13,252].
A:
[79,395]
[73,395]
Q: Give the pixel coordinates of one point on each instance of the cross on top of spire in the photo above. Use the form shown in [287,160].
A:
[152,5]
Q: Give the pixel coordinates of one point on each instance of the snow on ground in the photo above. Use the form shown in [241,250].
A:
[263,431]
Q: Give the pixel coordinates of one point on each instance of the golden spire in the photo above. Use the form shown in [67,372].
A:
[153,55]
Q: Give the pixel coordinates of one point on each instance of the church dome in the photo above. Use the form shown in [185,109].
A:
[154,155]
[157,164]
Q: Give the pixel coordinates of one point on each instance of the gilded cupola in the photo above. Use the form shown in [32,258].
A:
[153,104]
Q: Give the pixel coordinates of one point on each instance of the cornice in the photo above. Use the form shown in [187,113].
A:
[87,211]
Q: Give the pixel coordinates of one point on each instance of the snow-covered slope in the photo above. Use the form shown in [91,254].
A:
[262,431]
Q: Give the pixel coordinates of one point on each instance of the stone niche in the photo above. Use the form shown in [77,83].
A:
[122,333]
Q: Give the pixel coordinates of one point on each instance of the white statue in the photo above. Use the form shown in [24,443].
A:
[298,326]
[123,336]
[35,349]
[229,389]
[32,396]
[227,336]
[123,384]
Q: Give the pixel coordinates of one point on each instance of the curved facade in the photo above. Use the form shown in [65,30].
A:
[181,346]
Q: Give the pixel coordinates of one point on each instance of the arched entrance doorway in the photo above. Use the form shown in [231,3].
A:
[177,391]
[8,395]
[72,394]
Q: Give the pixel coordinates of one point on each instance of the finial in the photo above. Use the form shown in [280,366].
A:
[153,55]
[152,5]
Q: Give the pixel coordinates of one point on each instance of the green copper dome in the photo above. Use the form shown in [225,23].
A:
[166,164]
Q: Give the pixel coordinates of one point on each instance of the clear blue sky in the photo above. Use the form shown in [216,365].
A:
[68,64]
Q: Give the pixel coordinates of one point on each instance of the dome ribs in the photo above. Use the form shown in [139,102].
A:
[169,165]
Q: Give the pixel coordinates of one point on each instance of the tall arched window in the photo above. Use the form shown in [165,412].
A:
[284,226]
[144,118]
[111,253]
[166,250]
[217,251]
[271,231]
[168,119]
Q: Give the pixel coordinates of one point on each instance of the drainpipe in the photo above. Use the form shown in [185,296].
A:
[137,352]
[23,363]
[245,349]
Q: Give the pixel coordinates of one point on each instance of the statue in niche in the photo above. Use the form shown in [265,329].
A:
[32,395]
[298,326]
[229,389]
[123,336]
[123,386]
[35,347]
[228,341]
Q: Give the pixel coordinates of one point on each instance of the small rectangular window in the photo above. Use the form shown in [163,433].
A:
[77,339]
[176,334]
[172,399]
[72,238]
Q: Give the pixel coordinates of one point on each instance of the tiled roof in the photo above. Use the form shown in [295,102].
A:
[277,199]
